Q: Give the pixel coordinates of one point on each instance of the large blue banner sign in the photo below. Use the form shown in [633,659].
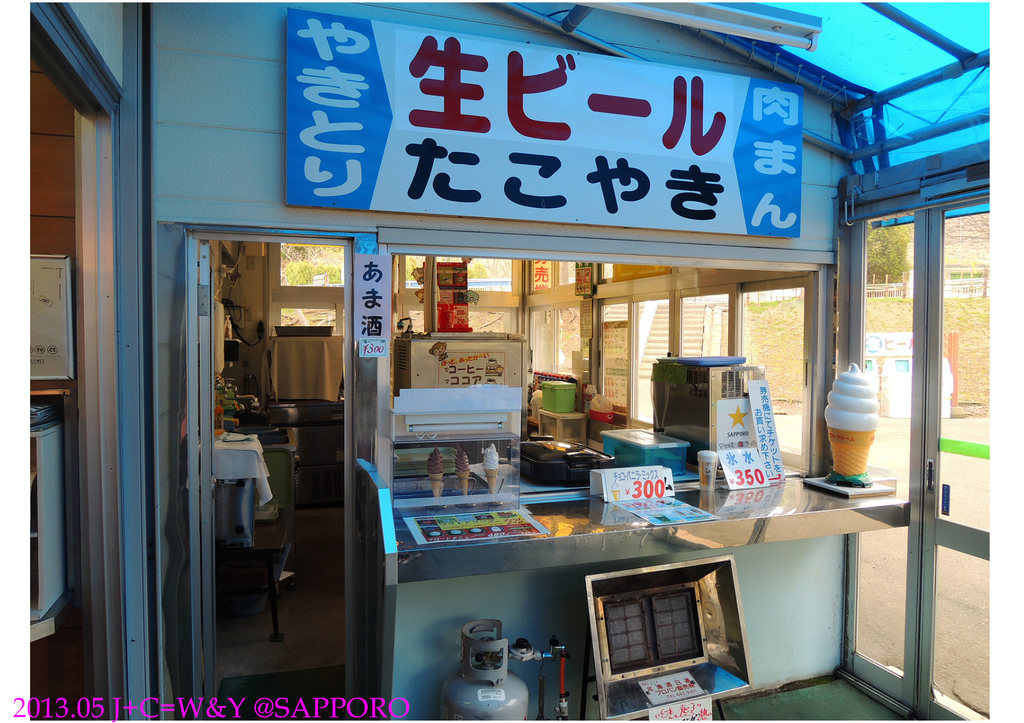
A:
[394,118]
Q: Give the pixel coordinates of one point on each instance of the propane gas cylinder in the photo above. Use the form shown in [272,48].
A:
[483,688]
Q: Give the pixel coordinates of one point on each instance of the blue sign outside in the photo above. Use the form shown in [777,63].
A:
[339,114]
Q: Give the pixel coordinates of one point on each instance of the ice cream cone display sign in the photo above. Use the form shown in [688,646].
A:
[852,419]
[462,469]
[435,470]
[491,469]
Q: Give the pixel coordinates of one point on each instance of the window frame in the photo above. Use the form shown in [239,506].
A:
[280,296]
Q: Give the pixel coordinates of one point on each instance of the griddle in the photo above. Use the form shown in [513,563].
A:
[561,463]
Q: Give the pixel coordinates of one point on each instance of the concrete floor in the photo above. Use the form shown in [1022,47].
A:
[311,613]
[825,699]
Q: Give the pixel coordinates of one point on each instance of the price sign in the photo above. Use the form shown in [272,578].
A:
[372,294]
[743,468]
[622,484]
[373,347]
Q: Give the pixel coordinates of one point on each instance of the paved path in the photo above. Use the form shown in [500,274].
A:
[962,627]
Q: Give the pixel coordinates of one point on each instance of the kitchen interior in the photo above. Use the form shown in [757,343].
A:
[279,357]
[280,380]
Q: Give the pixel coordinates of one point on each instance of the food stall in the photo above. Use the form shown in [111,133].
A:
[453,514]
[641,181]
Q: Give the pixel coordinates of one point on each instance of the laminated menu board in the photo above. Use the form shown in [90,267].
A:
[52,354]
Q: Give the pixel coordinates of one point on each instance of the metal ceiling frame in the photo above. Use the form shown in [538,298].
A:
[851,99]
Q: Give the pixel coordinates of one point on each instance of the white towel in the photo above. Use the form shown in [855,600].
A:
[241,457]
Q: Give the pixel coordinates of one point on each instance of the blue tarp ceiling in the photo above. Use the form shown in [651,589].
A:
[906,80]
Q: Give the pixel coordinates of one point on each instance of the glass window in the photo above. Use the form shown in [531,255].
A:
[652,321]
[309,265]
[555,337]
[307,285]
[568,341]
[705,325]
[493,302]
[889,317]
[615,366]
[773,337]
[309,317]
[542,338]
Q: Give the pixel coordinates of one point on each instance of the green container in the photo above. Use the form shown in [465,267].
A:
[559,397]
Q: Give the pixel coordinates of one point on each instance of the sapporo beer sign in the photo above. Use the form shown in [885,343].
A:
[402,119]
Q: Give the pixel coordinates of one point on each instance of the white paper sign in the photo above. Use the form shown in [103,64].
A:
[670,688]
[695,709]
[373,347]
[622,484]
[766,432]
[372,299]
[743,468]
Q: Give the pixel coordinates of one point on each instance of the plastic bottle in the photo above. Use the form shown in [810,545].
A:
[218,420]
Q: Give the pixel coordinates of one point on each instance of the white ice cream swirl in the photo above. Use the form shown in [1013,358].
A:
[490,457]
[852,403]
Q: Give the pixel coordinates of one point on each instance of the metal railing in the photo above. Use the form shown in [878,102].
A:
[978,288]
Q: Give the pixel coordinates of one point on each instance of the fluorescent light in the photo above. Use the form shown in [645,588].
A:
[746,20]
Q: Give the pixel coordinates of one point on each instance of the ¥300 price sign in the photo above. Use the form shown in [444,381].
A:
[624,484]
[743,468]
[373,346]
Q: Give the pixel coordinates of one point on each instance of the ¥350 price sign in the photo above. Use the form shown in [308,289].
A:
[624,484]
[743,468]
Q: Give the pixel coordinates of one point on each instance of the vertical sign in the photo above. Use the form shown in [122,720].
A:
[616,364]
[338,111]
[585,280]
[50,318]
[767,432]
[736,443]
[541,275]
[372,299]
[452,284]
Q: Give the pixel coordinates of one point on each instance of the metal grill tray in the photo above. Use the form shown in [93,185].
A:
[561,462]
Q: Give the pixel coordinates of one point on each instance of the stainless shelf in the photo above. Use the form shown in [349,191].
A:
[588,530]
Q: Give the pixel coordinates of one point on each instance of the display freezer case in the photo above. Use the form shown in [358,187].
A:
[456,450]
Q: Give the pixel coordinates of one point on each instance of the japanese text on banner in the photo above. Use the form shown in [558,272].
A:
[464,125]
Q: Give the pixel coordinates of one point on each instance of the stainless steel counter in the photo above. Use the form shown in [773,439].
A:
[588,530]
[414,594]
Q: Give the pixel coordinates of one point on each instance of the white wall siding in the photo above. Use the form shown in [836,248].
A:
[104,24]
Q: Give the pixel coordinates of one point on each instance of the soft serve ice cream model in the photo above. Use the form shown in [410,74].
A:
[852,419]
[491,468]
[435,470]
[462,469]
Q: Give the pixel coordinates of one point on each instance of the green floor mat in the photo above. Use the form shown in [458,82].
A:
[834,700]
[288,689]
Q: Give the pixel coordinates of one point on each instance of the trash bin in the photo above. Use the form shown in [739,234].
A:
[871,365]
[947,389]
[895,383]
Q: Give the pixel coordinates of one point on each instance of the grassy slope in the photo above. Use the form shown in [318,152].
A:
[772,331]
